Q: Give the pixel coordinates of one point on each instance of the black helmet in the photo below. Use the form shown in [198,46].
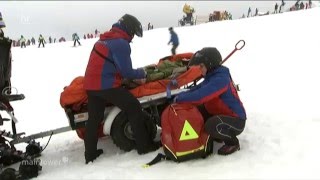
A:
[170,29]
[209,56]
[132,24]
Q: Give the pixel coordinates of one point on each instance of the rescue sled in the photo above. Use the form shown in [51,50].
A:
[153,97]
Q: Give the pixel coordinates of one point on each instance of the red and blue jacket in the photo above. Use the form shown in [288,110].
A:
[174,38]
[217,93]
[110,61]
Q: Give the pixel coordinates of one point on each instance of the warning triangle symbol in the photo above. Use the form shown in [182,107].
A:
[188,132]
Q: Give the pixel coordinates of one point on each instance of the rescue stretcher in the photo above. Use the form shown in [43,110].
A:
[152,96]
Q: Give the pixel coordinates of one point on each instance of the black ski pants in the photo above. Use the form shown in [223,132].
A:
[226,128]
[129,104]
[23,44]
[41,42]
[173,49]
[77,40]
[223,127]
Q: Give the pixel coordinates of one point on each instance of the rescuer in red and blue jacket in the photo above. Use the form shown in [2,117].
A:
[217,99]
[109,62]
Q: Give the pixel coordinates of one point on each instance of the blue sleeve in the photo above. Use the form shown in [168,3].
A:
[193,88]
[121,51]
[205,92]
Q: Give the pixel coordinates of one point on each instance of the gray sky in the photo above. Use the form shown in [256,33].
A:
[62,18]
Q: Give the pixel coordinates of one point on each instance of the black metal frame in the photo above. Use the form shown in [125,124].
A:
[17,137]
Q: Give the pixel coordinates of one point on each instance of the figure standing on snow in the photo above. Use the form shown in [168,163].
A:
[2,24]
[217,100]
[249,12]
[276,8]
[22,42]
[296,5]
[96,33]
[174,40]
[257,12]
[310,4]
[281,6]
[28,42]
[41,41]
[150,26]
[301,7]
[33,41]
[75,39]
[108,64]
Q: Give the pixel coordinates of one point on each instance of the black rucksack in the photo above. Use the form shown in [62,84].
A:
[5,63]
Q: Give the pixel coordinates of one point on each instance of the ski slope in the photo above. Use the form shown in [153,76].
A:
[278,73]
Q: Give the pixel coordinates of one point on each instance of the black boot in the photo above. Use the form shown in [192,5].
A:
[90,157]
[229,147]
[217,140]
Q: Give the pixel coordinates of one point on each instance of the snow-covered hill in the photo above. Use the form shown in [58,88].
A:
[278,74]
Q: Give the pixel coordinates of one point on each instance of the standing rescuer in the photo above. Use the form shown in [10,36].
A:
[109,62]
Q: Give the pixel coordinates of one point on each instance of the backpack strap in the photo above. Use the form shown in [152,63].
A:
[157,159]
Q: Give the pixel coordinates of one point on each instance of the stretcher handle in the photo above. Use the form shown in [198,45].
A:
[240,44]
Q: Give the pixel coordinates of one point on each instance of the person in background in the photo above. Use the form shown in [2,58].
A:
[41,41]
[275,9]
[75,39]
[2,24]
[96,33]
[249,12]
[50,39]
[33,41]
[174,40]
[22,42]
[149,26]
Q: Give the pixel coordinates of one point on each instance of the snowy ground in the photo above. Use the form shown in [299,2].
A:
[278,74]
